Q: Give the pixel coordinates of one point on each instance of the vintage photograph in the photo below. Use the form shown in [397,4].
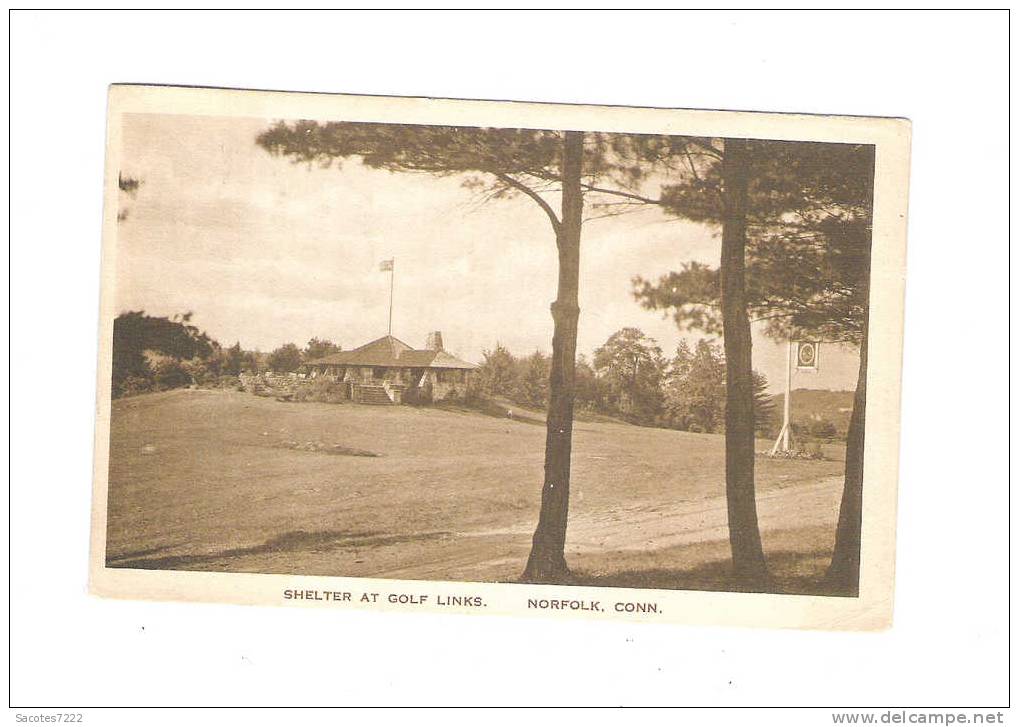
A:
[382,345]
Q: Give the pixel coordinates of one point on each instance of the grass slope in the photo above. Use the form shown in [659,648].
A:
[226,481]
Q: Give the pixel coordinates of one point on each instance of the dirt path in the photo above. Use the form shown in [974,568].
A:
[638,528]
[658,528]
[687,534]
[644,527]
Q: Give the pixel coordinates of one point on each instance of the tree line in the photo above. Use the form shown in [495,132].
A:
[795,225]
[629,378]
[155,353]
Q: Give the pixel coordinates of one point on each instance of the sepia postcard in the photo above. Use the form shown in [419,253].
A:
[411,354]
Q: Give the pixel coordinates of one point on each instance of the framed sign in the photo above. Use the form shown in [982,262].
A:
[807,355]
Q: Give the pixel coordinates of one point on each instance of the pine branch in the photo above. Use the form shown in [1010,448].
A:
[520,186]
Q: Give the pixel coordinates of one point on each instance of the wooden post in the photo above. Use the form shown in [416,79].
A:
[783,434]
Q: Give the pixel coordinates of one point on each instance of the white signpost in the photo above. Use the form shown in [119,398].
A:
[807,357]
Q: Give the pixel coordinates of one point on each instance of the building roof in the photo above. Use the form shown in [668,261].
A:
[392,352]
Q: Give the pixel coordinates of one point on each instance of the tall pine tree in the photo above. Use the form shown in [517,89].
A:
[807,266]
[498,163]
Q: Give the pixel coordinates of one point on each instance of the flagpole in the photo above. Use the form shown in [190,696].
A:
[392,273]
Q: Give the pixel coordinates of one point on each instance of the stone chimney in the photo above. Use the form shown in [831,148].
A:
[434,342]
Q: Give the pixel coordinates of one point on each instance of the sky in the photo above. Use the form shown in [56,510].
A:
[265,252]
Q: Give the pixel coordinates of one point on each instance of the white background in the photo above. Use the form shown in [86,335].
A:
[949,644]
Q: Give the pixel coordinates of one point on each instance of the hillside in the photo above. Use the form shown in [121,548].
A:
[814,405]
[227,481]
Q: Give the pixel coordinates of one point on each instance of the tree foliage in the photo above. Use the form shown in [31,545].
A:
[497,374]
[809,213]
[694,391]
[518,379]
[532,383]
[592,393]
[319,348]
[686,392]
[631,366]
[135,333]
[152,353]
[285,359]
[495,163]
[234,360]
[129,187]
[764,405]
[695,388]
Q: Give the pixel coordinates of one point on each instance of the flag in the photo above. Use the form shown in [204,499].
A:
[807,355]
[386,265]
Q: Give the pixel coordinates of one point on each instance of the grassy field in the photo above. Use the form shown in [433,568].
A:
[227,481]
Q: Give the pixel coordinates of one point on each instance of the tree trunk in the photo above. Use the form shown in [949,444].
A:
[547,562]
[843,575]
[749,566]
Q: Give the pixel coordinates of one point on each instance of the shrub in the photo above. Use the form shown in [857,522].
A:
[322,390]
[170,373]
[418,395]
[132,386]
[198,370]
[473,392]
[822,429]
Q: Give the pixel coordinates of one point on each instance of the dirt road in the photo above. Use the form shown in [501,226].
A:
[639,532]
